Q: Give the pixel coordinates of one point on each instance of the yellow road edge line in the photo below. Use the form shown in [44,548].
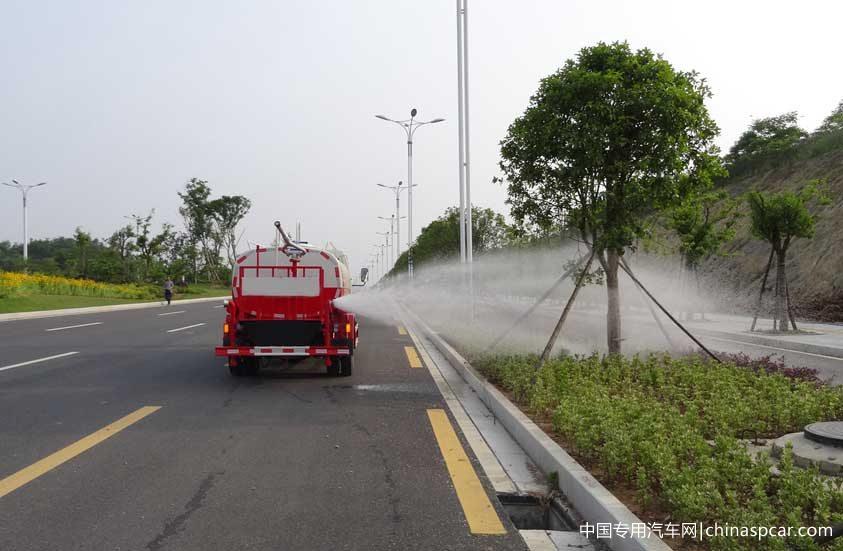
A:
[401,330]
[412,356]
[479,511]
[30,473]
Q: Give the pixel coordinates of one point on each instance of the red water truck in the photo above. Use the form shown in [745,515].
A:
[282,306]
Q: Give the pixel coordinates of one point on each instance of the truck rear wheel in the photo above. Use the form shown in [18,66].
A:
[346,364]
[235,369]
[335,369]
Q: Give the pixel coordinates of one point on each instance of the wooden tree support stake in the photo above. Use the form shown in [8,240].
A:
[650,308]
[536,304]
[668,314]
[556,330]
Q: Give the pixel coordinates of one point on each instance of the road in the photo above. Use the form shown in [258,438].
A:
[134,436]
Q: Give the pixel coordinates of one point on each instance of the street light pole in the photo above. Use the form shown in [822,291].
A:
[386,241]
[397,190]
[466,236]
[410,126]
[24,189]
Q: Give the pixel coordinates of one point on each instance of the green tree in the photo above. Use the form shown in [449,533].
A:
[150,246]
[198,222]
[122,244]
[779,218]
[611,137]
[83,244]
[832,123]
[227,212]
[703,223]
[771,138]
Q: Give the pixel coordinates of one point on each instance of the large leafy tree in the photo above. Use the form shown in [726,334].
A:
[780,218]
[198,223]
[227,212]
[210,225]
[609,138]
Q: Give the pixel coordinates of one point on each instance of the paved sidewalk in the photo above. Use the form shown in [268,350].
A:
[819,338]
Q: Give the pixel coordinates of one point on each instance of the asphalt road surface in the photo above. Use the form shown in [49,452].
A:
[132,435]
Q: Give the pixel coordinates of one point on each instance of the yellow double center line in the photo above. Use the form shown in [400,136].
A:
[28,474]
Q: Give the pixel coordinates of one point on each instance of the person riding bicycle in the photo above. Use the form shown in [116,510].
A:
[168,290]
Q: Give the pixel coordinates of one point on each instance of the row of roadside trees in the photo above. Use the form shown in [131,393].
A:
[145,250]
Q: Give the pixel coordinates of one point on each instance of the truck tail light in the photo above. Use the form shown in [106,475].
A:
[225,328]
[347,328]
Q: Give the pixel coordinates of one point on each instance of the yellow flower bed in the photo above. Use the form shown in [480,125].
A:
[16,283]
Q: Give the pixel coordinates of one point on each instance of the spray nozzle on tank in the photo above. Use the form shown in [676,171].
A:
[290,249]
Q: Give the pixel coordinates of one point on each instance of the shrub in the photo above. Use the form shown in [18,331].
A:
[12,283]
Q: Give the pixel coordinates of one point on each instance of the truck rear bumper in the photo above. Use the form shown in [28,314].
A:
[282,351]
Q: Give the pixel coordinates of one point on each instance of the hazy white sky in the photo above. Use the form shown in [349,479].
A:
[117,104]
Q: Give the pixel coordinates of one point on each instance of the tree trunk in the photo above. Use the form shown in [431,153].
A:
[781,312]
[789,305]
[613,315]
[761,293]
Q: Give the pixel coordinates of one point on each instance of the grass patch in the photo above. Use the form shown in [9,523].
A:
[21,292]
[670,430]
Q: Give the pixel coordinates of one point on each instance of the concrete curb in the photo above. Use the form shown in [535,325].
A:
[98,309]
[772,341]
[590,498]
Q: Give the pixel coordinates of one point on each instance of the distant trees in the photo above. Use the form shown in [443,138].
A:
[608,139]
[766,138]
[832,123]
[210,227]
[779,219]
[441,238]
[83,244]
[773,141]
[145,251]
[703,223]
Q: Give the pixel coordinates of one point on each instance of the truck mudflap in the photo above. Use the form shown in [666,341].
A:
[282,351]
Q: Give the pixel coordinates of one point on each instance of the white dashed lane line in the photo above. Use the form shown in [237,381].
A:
[183,328]
[171,313]
[74,326]
[39,360]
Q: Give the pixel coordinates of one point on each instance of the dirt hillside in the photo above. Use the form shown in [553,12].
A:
[815,266]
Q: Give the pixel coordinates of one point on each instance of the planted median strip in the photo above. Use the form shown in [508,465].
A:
[673,435]
[30,473]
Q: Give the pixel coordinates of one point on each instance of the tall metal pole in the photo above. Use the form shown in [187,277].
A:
[460,130]
[24,189]
[25,230]
[410,181]
[410,126]
[469,238]
[398,219]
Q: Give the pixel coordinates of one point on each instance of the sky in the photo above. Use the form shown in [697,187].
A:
[116,105]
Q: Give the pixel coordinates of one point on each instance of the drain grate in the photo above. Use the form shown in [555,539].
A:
[529,512]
